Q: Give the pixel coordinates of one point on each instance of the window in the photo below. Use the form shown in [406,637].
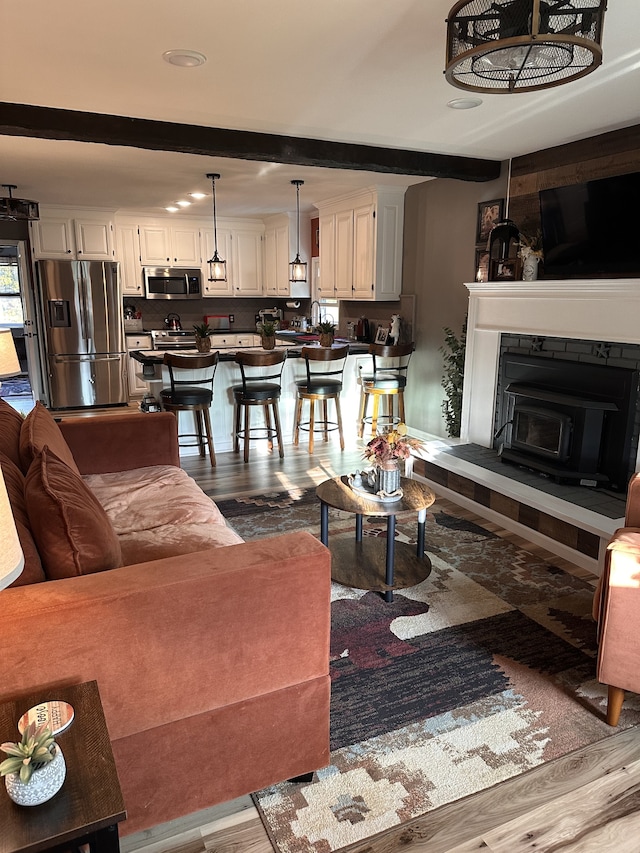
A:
[10,300]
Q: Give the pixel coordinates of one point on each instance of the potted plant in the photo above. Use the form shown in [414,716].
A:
[202,332]
[267,330]
[35,768]
[386,451]
[326,330]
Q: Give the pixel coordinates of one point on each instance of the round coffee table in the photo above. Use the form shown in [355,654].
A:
[363,563]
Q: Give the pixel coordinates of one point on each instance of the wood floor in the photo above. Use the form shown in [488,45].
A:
[587,801]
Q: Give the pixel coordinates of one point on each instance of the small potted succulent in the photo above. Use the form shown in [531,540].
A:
[35,768]
[267,331]
[326,330]
[202,332]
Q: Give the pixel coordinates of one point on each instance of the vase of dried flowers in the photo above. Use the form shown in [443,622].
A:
[531,254]
[387,451]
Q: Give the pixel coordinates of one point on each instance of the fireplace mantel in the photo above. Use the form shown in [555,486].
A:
[592,309]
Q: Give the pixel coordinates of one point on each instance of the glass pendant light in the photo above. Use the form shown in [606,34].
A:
[298,268]
[217,266]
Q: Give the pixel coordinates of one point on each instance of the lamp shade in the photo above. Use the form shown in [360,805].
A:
[9,364]
[11,556]
[504,46]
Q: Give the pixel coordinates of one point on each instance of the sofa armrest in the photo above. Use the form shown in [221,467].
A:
[632,513]
[104,443]
[177,637]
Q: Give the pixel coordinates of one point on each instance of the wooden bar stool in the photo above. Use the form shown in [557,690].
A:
[189,394]
[261,386]
[387,382]
[324,367]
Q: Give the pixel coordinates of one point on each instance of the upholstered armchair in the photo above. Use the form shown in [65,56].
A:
[616,607]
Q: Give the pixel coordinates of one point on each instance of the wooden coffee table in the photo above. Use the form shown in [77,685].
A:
[363,563]
[89,806]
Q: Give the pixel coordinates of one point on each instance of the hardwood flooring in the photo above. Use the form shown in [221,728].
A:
[582,803]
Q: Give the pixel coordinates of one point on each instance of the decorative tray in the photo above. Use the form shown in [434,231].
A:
[360,485]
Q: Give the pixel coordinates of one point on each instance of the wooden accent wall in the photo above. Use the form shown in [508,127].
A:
[613,153]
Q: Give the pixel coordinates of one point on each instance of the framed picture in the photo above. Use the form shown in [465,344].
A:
[507,270]
[482,264]
[382,335]
[489,213]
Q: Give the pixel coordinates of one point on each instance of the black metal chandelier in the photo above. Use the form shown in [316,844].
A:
[505,46]
[298,268]
[217,267]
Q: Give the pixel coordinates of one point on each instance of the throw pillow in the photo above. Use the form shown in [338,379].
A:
[40,429]
[72,530]
[14,481]
[10,425]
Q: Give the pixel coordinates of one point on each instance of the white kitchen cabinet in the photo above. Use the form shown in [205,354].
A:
[247,266]
[280,247]
[137,387]
[215,288]
[85,239]
[162,244]
[361,245]
[128,254]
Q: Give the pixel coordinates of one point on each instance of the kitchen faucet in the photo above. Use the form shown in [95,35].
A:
[315,317]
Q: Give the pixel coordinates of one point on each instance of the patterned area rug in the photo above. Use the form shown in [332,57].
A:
[483,671]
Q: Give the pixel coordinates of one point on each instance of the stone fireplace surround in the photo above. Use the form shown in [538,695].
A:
[589,310]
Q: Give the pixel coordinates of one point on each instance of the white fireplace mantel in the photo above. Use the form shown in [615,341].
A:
[600,310]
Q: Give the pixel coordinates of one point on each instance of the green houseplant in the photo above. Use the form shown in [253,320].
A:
[35,768]
[326,330]
[202,332]
[454,352]
[267,330]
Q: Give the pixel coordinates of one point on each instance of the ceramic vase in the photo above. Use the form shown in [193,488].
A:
[44,783]
[203,344]
[387,478]
[530,268]
[268,341]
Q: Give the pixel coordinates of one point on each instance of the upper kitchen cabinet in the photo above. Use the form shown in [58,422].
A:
[361,245]
[280,247]
[240,244]
[128,253]
[73,236]
[162,244]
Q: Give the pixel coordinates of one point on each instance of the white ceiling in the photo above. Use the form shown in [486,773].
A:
[344,70]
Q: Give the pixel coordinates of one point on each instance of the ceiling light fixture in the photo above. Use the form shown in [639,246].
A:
[464,103]
[183,203]
[504,46]
[198,196]
[16,209]
[184,58]
[172,209]
[298,268]
[217,267]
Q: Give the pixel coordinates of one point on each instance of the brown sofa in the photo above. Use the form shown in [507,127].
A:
[616,607]
[212,665]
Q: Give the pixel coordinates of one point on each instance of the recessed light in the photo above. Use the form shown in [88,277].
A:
[184,58]
[183,203]
[198,195]
[464,103]
[172,209]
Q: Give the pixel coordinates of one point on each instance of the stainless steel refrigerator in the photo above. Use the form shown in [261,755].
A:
[84,347]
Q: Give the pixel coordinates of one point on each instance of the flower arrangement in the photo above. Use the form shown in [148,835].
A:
[531,245]
[36,748]
[390,446]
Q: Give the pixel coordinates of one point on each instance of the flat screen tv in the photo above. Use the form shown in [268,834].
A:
[590,230]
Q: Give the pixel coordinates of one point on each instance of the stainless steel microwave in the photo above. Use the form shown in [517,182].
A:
[168,283]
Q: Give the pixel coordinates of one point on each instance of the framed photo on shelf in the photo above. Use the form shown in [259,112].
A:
[482,264]
[489,214]
[507,270]
[382,335]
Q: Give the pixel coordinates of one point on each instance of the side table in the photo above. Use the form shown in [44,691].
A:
[363,563]
[89,806]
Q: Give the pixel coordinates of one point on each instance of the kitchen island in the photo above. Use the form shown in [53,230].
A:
[228,374]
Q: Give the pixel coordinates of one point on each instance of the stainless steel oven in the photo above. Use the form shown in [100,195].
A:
[172,283]
[170,339]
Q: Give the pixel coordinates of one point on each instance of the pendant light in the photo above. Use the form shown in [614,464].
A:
[504,46]
[298,268]
[217,266]
[504,244]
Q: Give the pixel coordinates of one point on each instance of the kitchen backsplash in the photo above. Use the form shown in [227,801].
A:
[193,311]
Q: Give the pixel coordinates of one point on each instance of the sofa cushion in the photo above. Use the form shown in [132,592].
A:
[40,429]
[14,481]
[159,512]
[10,425]
[72,531]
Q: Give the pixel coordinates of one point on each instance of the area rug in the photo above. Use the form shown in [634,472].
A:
[483,671]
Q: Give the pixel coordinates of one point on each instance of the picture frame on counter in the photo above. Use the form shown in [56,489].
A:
[489,214]
[382,335]
[482,264]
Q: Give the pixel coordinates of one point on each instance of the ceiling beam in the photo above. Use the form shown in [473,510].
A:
[50,123]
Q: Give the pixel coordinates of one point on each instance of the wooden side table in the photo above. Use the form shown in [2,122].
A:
[364,564]
[89,806]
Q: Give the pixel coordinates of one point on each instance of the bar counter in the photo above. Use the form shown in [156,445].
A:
[228,374]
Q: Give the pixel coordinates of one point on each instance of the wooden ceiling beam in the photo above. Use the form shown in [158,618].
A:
[50,123]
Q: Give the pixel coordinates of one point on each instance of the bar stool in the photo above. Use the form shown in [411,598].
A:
[388,381]
[324,368]
[261,386]
[188,394]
